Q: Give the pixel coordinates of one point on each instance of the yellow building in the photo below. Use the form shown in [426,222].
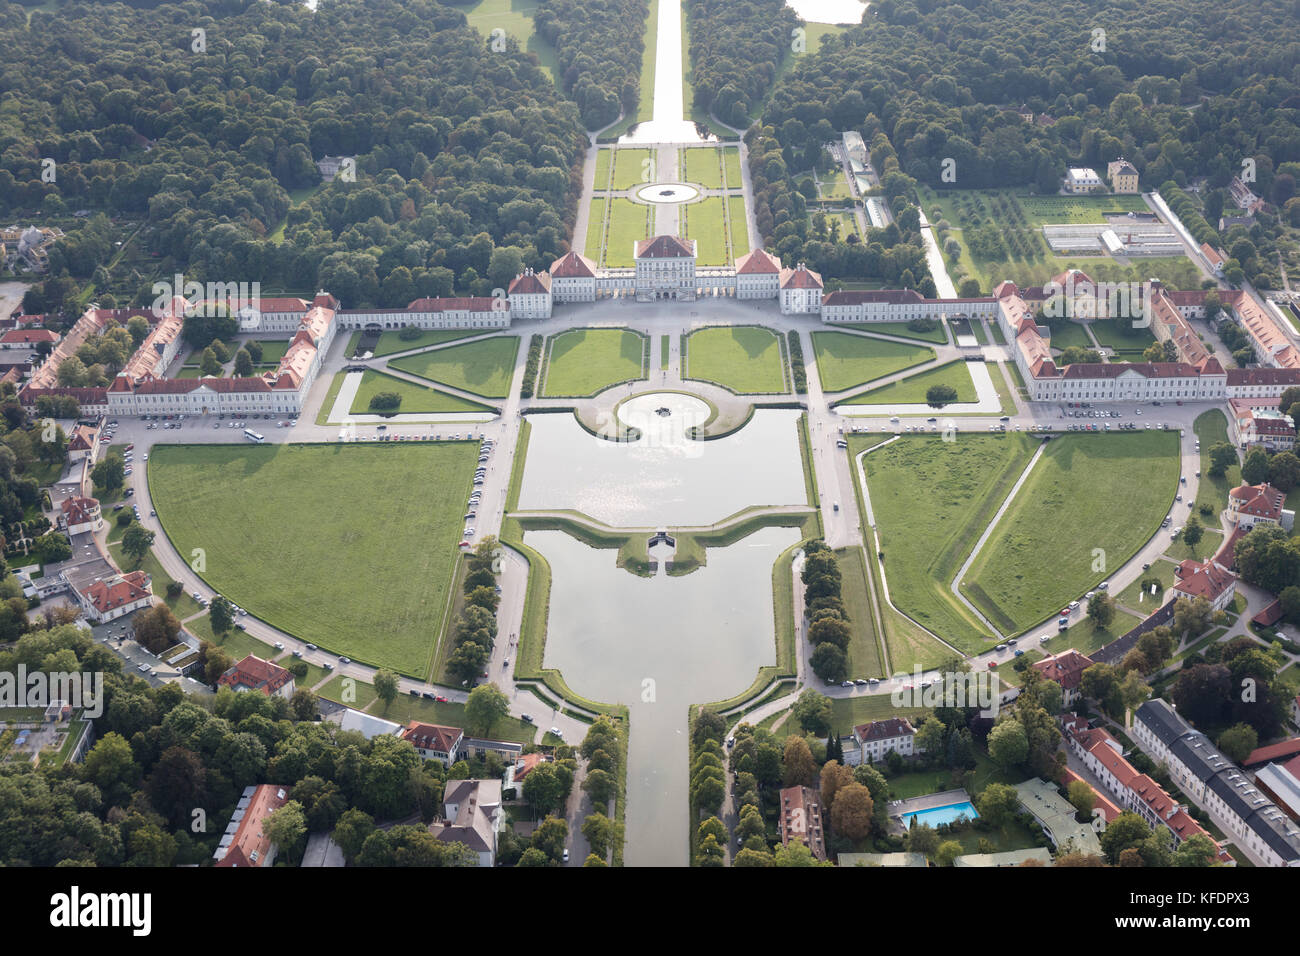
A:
[1123,177]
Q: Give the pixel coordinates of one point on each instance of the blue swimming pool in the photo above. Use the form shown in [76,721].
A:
[937,816]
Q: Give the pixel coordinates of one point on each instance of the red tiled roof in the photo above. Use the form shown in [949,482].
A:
[886,729]
[1066,668]
[84,396]
[1263,376]
[105,595]
[1277,751]
[1145,369]
[79,510]
[1259,501]
[573,265]
[801,278]
[254,673]
[1203,579]
[432,736]
[28,336]
[251,846]
[530,283]
[1269,616]
[758,262]
[478,303]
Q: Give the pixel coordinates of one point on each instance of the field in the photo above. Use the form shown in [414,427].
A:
[484,367]
[273,350]
[705,224]
[630,167]
[1132,596]
[325,542]
[1211,428]
[731,165]
[515,17]
[864,650]
[415,398]
[746,358]
[931,501]
[739,224]
[628,222]
[1085,637]
[1089,504]
[835,186]
[845,360]
[912,390]
[595,229]
[585,361]
[390,342]
[600,179]
[704,167]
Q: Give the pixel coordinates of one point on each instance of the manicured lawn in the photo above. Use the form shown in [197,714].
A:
[585,361]
[704,167]
[931,501]
[1210,543]
[900,329]
[600,179]
[745,358]
[1007,672]
[236,643]
[1053,210]
[331,395]
[835,186]
[848,224]
[845,360]
[1121,338]
[273,350]
[1067,334]
[515,17]
[407,708]
[1211,428]
[351,547]
[912,389]
[848,712]
[628,223]
[704,224]
[1090,502]
[390,342]
[595,229]
[739,225]
[415,398]
[864,648]
[731,165]
[1085,637]
[1129,597]
[630,167]
[483,367]
[362,694]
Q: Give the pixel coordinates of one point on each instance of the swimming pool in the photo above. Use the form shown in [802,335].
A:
[937,816]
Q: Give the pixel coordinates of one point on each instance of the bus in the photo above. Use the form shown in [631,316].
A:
[253,436]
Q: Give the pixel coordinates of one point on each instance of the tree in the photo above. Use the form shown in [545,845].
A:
[137,541]
[813,711]
[1238,741]
[1192,617]
[998,803]
[304,704]
[386,685]
[543,788]
[829,662]
[110,474]
[110,765]
[209,364]
[156,628]
[602,833]
[835,776]
[1193,531]
[243,364]
[1101,610]
[1008,744]
[929,738]
[551,836]
[385,401]
[1254,469]
[1082,796]
[851,814]
[601,786]
[221,613]
[947,851]
[1125,831]
[937,396]
[286,827]
[486,705]
[800,770]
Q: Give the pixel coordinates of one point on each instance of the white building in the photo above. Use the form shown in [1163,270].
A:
[758,275]
[665,268]
[879,737]
[801,290]
[1081,180]
[472,815]
[530,295]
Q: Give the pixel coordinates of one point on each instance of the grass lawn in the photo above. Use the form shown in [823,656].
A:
[704,224]
[1091,500]
[390,342]
[848,712]
[900,329]
[864,648]
[1135,598]
[1211,428]
[585,361]
[1067,334]
[331,395]
[273,350]
[407,708]
[595,229]
[600,179]
[738,224]
[912,389]
[628,222]
[835,186]
[962,484]
[1112,334]
[236,643]
[631,167]
[326,544]
[1209,544]
[745,358]
[483,367]
[515,17]
[848,223]
[1085,637]
[731,166]
[1007,672]
[704,167]
[415,398]
[845,360]
[362,694]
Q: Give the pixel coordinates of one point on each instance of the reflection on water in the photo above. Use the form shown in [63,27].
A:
[659,645]
[828,11]
[668,123]
[663,479]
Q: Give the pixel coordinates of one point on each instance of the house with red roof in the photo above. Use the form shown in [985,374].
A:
[1251,505]
[1282,750]
[83,443]
[106,599]
[801,819]
[78,515]
[255,674]
[665,268]
[879,737]
[530,295]
[245,842]
[1066,669]
[573,278]
[1205,579]
[801,290]
[27,338]
[758,275]
[434,741]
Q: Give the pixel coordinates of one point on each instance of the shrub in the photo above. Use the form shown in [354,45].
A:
[409,333]
[385,401]
[124,518]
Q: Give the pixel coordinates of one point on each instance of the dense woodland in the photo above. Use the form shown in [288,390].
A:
[735,52]
[599,44]
[464,171]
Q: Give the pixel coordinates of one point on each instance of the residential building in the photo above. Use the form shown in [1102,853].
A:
[1211,781]
[1122,175]
[801,819]
[1066,669]
[1206,579]
[255,674]
[27,338]
[83,443]
[472,815]
[107,599]
[1081,180]
[758,275]
[1251,505]
[435,742]
[245,842]
[78,515]
[801,290]
[878,738]
[1280,782]
[1260,422]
